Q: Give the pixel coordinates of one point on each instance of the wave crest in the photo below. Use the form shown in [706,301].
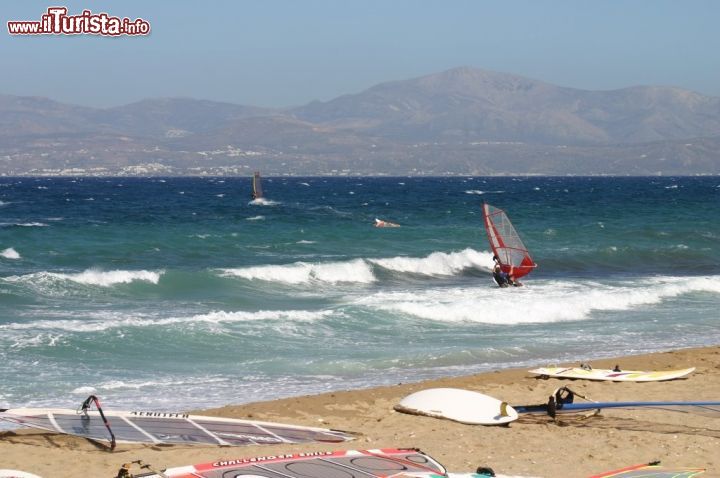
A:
[355,271]
[438,263]
[93,277]
[263,202]
[10,253]
[361,271]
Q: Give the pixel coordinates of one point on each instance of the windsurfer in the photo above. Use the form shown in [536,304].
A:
[504,279]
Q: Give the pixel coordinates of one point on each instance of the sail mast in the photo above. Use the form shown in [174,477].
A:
[257,187]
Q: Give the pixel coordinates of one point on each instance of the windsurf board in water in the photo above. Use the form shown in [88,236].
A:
[16,474]
[381,223]
[651,470]
[611,375]
[323,464]
[459,405]
[167,428]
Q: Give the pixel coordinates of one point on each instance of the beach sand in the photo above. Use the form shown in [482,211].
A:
[534,446]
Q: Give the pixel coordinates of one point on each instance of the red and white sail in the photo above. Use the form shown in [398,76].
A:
[506,243]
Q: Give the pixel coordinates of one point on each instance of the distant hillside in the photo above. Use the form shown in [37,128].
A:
[461,121]
[174,117]
[470,104]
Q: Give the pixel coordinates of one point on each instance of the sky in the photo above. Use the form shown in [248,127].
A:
[279,53]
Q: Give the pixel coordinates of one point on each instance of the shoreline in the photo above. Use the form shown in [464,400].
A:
[534,446]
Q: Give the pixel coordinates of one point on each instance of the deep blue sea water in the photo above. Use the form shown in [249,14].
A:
[180,293]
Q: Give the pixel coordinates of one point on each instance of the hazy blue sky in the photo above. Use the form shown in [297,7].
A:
[284,53]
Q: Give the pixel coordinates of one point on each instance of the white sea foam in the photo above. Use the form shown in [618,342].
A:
[84,391]
[438,263]
[10,253]
[480,193]
[94,277]
[101,321]
[355,271]
[138,384]
[551,301]
[255,218]
[263,202]
[30,224]
[303,241]
[109,278]
[262,315]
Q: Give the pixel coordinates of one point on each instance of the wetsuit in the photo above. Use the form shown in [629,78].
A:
[502,278]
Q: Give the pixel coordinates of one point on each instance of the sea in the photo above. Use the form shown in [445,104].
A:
[176,294]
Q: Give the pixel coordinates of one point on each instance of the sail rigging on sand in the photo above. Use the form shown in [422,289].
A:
[563,401]
[257,186]
[505,242]
[406,463]
[165,427]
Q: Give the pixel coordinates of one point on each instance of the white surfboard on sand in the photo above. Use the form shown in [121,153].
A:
[611,375]
[462,406]
[16,474]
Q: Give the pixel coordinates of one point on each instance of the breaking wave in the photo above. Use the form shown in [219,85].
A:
[355,271]
[438,263]
[263,202]
[92,277]
[362,270]
[10,253]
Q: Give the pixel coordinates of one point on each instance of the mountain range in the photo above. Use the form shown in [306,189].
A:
[462,121]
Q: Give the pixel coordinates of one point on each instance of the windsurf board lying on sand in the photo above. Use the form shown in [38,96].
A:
[323,464]
[611,375]
[651,470]
[462,406]
[474,408]
[166,428]
[16,474]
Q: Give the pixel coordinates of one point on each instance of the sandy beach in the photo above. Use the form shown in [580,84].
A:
[534,446]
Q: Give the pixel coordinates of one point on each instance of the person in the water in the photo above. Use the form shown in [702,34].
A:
[504,279]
